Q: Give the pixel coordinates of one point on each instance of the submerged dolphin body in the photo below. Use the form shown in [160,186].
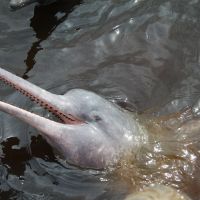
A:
[94,132]
[158,192]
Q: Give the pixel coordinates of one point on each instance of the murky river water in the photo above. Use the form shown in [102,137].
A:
[142,53]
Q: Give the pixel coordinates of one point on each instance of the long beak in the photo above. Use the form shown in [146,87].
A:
[38,122]
[53,103]
[63,137]
[80,144]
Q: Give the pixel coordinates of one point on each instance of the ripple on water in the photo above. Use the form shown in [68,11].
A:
[142,52]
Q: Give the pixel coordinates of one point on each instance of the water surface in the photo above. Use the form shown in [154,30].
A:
[143,54]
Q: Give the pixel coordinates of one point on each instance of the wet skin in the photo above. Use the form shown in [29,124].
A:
[93,132]
[157,192]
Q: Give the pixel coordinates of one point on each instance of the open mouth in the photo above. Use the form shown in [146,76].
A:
[66,119]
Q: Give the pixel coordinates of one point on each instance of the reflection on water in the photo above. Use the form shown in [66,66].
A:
[44,22]
[143,54]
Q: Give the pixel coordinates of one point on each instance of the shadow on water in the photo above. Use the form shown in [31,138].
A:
[45,20]
[16,158]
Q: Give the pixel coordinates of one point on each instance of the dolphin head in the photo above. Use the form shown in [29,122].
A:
[109,130]
[94,132]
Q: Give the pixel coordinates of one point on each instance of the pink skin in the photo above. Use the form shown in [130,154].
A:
[95,133]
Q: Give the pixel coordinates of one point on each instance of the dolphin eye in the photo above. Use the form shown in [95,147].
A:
[97,118]
[91,118]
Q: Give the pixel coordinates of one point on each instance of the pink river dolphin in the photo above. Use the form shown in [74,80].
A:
[92,132]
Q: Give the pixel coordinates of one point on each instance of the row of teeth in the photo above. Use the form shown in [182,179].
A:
[59,115]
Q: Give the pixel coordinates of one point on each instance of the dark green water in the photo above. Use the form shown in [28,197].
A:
[142,53]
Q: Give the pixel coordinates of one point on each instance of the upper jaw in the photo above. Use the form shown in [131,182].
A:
[54,103]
